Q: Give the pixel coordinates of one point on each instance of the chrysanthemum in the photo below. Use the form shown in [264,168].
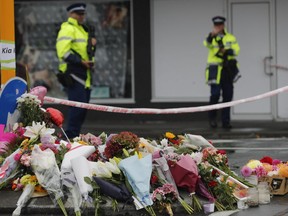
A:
[246,171]
[253,164]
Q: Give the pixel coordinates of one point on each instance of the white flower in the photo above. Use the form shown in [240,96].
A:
[76,139]
[28,98]
[272,173]
[101,170]
[37,129]
[164,143]
[197,157]
[112,166]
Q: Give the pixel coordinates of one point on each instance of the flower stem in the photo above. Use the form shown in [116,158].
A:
[61,205]
[186,206]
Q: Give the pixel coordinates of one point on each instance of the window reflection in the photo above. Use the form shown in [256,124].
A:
[36,31]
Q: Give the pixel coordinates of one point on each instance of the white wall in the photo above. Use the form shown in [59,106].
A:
[282,55]
[178,55]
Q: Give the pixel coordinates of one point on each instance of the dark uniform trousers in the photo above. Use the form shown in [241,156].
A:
[226,85]
[77,92]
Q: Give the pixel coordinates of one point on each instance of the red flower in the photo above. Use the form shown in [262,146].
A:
[222,152]
[175,141]
[267,159]
[171,163]
[215,172]
[154,179]
[212,184]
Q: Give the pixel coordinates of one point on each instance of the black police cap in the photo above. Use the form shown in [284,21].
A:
[218,20]
[76,7]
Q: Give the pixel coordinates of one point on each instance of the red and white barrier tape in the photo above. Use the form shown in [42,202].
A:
[163,111]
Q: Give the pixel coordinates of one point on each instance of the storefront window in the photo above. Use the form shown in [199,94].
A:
[36,30]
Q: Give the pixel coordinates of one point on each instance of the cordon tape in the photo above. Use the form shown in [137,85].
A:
[163,111]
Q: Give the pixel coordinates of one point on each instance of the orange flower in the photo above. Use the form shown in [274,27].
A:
[14,186]
[230,183]
[40,189]
[283,171]
[267,167]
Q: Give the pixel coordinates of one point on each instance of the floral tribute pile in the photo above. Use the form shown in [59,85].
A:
[151,174]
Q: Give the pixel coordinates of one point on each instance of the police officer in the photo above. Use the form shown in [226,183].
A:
[74,64]
[222,68]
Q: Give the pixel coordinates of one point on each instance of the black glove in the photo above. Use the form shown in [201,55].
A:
[65,79]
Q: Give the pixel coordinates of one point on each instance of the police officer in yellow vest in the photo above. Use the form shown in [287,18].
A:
[74,64]
[222,68]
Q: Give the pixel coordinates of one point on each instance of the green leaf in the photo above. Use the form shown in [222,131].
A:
[88,180]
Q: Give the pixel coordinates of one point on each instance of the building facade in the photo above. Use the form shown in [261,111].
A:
[150,53]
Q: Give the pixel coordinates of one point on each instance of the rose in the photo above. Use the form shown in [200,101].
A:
[212,184]
[267,159]
[154,179]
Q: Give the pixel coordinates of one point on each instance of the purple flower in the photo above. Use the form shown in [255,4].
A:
[246,171]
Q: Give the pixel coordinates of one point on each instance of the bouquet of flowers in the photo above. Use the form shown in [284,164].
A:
[266,166]
[48,174]
[138,173]
[218,158]
[163,197]
[161,175]
[29,107]
[218,185]
[118,142]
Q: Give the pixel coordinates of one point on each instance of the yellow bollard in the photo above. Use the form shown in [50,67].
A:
[7,41]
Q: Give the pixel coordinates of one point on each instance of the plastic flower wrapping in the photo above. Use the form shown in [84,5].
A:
[151,174]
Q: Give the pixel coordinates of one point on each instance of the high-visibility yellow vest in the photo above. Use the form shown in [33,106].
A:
[214,61]
[71,47]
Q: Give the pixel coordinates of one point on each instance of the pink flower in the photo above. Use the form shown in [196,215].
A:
[246,171]
[260,171]
[276,162]
[17,156]
[26,160]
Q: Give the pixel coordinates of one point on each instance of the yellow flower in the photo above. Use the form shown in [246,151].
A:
[29,179]
[169,135]
[82,142]
[117,160]
[253,164]
[25,179]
